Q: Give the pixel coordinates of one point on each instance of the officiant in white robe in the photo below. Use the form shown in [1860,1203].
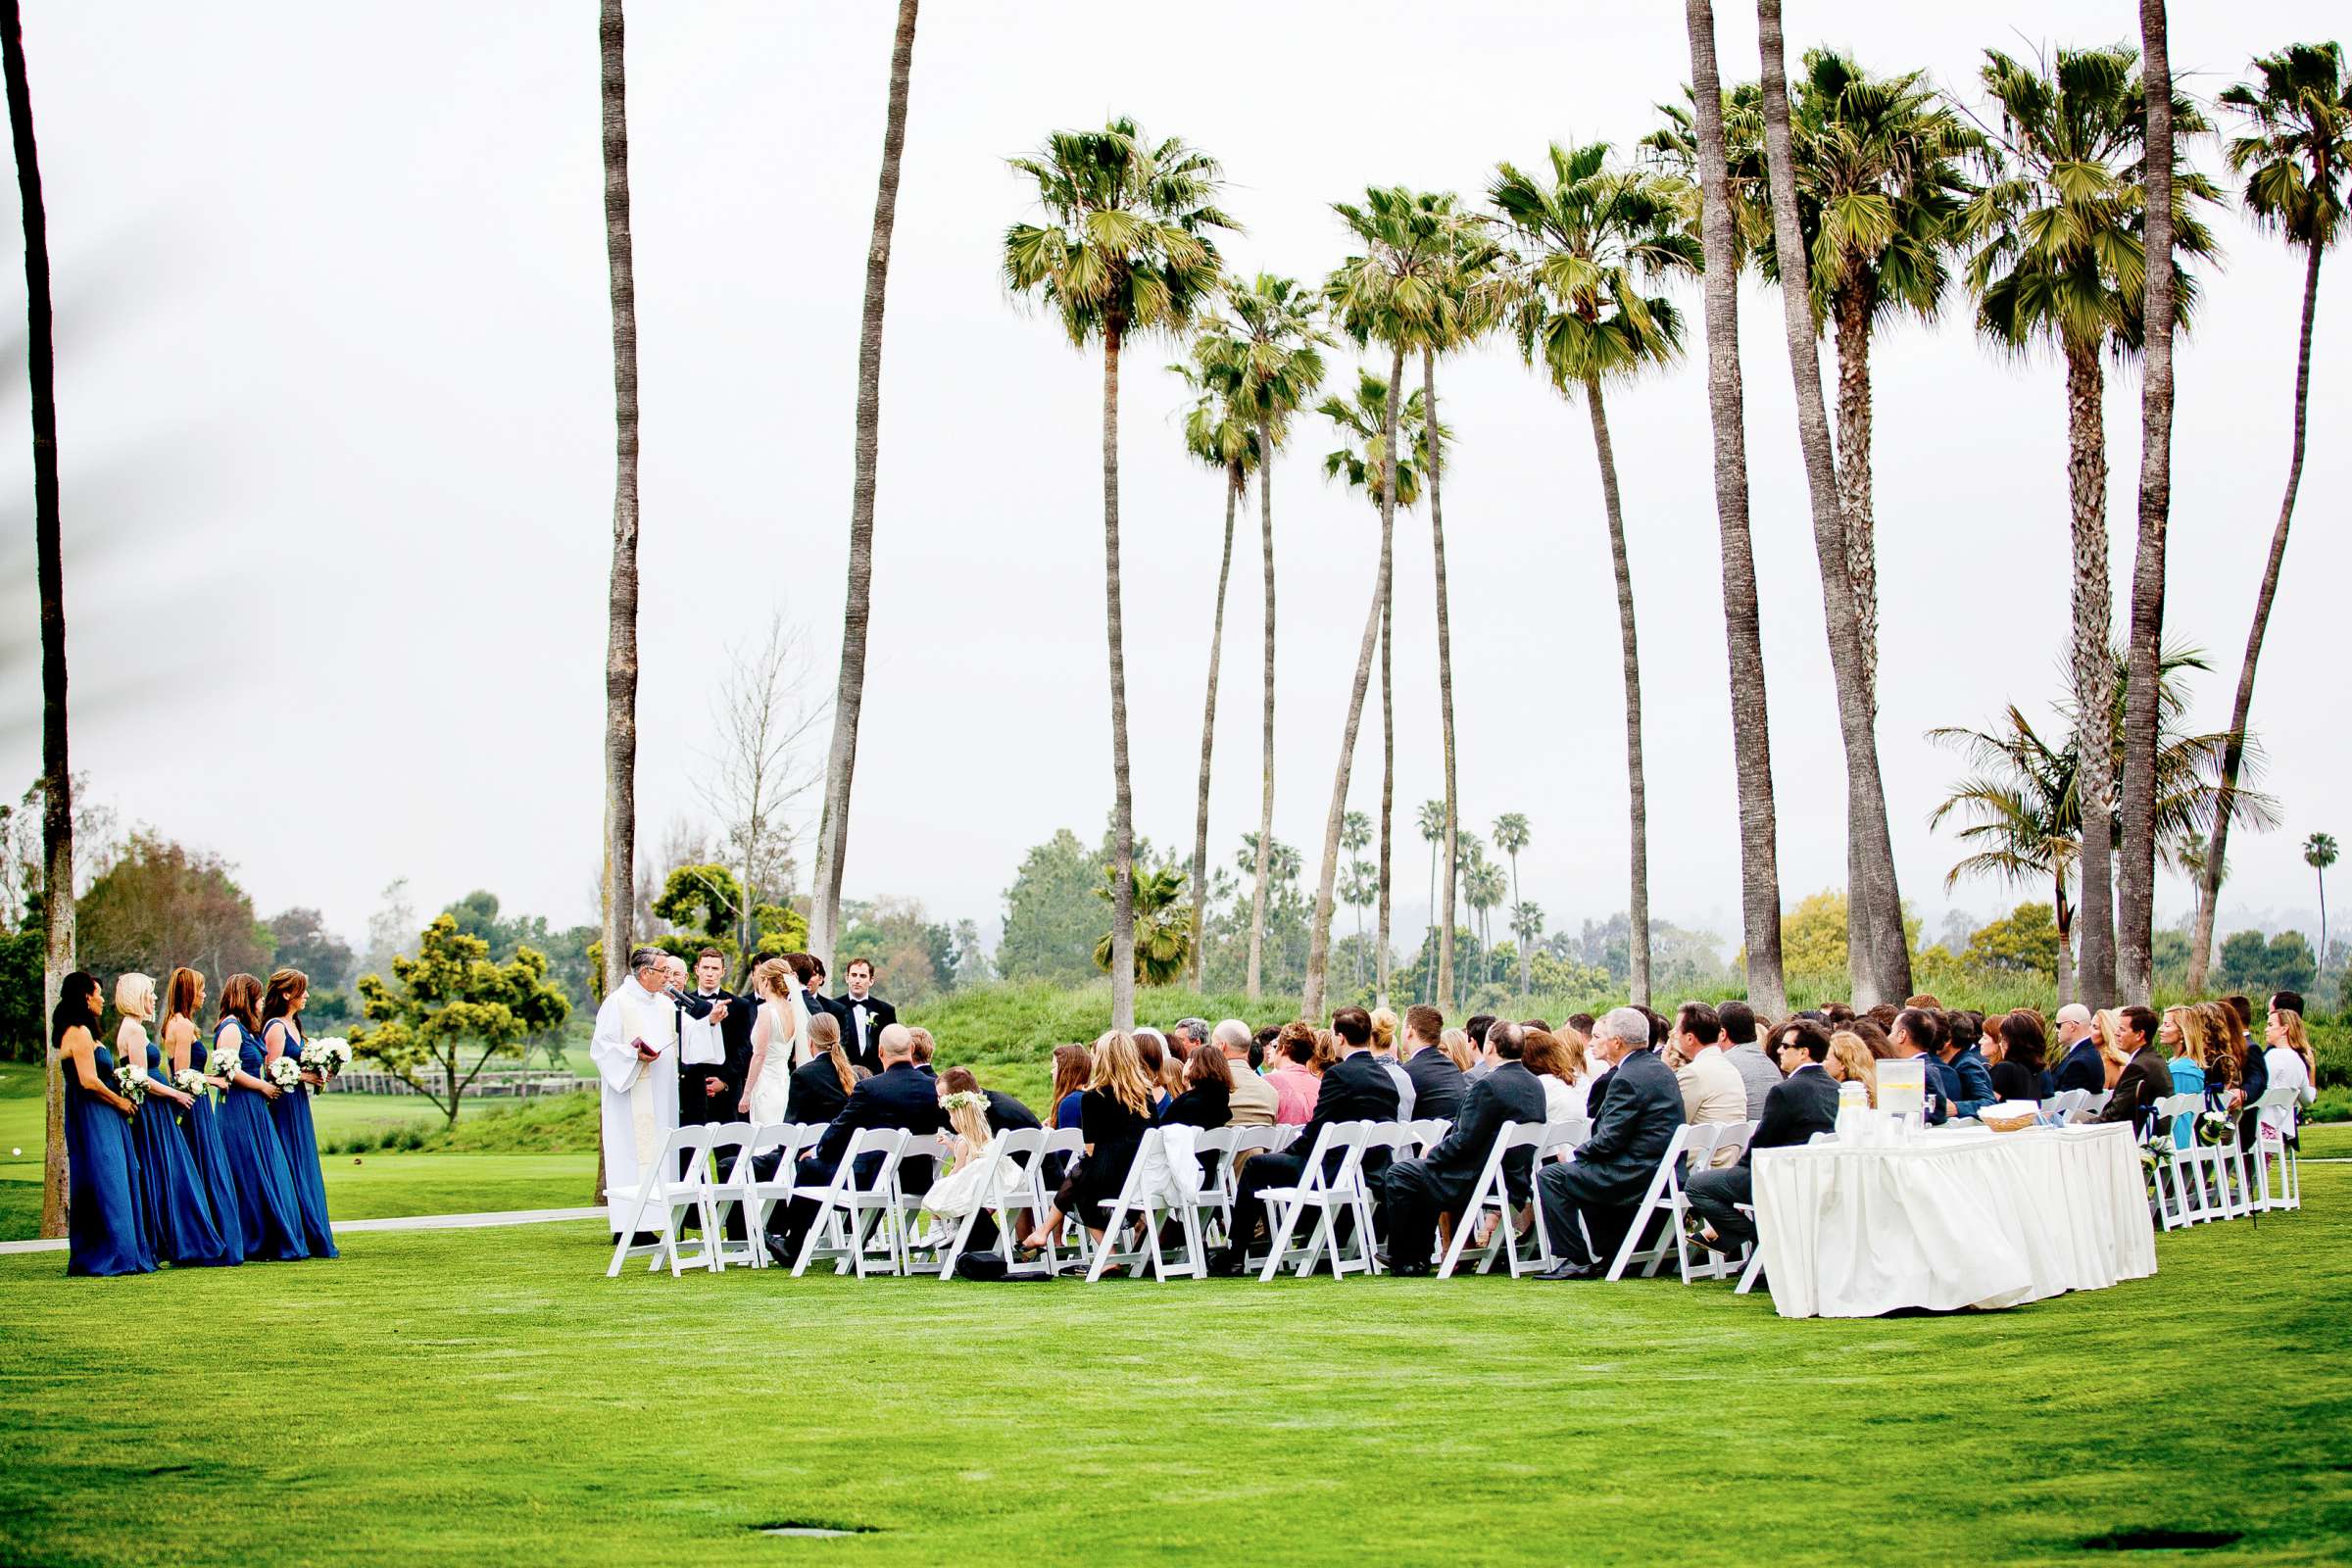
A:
[640,1091]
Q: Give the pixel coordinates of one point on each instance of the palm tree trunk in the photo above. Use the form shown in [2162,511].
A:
[1516,906]
[620,631]
[1751,728]
[2093,669]
[1253,981]
[1428,987]
[1208,730]
[1122,821]
[1853,473]
[1387,768]
[1437,531]
[2136,911]
[57,777]
[1880,966]
[848,694]
[2066,947]
[2209,884]
[1637,793]
[1318,949]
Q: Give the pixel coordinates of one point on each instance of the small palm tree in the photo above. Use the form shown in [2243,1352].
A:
[1483,888]
[2294,155]
[1162,927]
[1510,837]
[1592,237]
[2318,852]
[1127,247]
[1527,928]
[2059,234]
[1432,823]
[1362,886]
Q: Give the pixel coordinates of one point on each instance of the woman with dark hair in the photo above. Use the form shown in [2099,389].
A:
[183,1048]
[1151,1047]
[821,1084]
[1073,1070]
[1294,1078]
[1208,1099]
[2023,1070]
[268,1213]
[290,1112]
[106,1229]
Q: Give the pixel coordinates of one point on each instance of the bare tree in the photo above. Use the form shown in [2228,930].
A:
[759,765]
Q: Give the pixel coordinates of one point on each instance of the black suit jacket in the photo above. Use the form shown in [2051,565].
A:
[2147,1078]
[1633,1129]
[2082,1068]
[1510,1092]
[817,1094]
[1796,1107]
[734,1038]
[1355,1088]
[900,1098]
[879,1016]
[1007,1113]
[1438,1087]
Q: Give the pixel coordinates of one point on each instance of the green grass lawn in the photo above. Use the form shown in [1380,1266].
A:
[489,1397]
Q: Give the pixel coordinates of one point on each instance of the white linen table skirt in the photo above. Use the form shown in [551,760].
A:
[1959,1218]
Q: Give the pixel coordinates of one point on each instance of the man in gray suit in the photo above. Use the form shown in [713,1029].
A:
[1741,1050]
[1613,1167]
[1418,1191]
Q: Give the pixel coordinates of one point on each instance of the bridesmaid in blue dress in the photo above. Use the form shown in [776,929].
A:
[183,996]
[179,1212]
[281,1036]
[267,1213]
[106,1233]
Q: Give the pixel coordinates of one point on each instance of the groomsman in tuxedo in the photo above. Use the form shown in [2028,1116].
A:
[715,1050]
[864,1015]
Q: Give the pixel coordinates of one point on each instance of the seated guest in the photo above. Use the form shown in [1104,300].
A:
[2181,1033]
[1005,1112]
[2236,1014]
[820,1085]
[2113,1055]
[1073,1069]
[2289,1059]
[1713,1091]
[1799,1105]
[1415,1191]
[1456,1043]
[1385,1025]
[2020,1074]
[1262,1047]
[1151,1046]
[1295,1085]
[1208,1099]
[1115,1113]
[1254,1101]
[1188,1036]
[1480,1063]
[974,1184]
[1971,1077]
[1384,1051]
[2146,1077]
[1916,1034]
[1357,1088]
[925,1047]
[1554,1067]
[2079,1063]
[1850,1060]
[1438,1087]
[897,1097]
[1612,1168]
[1740,1049]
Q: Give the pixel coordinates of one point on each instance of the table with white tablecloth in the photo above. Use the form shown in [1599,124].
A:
[1954,1218]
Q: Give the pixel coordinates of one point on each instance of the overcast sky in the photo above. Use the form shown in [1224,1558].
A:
[335,413]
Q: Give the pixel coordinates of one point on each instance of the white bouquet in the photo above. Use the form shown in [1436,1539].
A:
[284,1072]
[223,1066]
[189,1081]
[325,1058]
[132,1083]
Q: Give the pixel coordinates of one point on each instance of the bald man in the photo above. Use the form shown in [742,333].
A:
[2080,1067]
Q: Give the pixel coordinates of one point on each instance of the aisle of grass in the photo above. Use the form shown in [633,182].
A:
[489,1397]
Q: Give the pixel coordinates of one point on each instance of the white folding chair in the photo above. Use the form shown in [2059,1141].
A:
[662,1196]
[1017,1148]
[1428,1133]
[2180,1187]
[1133,1233]
[1331,1197]
[1697,1140]
[917,1231]
[2273,1147]
[730,1168]
[2059,1109]
[1070,1144]
[1560,1138]
[1216,1148]
[2093,1104]
[849,1216]
[1492,1196]
[760,1195]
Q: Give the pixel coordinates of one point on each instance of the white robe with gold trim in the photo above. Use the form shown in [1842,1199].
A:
[640,1097]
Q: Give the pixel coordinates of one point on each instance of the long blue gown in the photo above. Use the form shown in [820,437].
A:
[201,1126]
[292,1113]
[107,1232]
[267,1213]
[179,1212]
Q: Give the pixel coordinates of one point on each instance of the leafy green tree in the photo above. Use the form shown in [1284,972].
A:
[915,957]
[703,902]
[1813,935]
[1051,915]
[1127,249]
[161,903]
[2296,156]
[2024,942]
[23,1031]
[450,1002]
[301,941]
[2257,968]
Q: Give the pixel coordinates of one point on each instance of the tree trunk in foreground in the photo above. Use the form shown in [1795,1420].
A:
[2093,669]
[1437,531]
[1208,731]
[1122,825]
[1255,979]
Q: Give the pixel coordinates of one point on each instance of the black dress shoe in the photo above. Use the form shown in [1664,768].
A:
[1411,1271]
[1225,1263]
[1573,1271]
[778,1252]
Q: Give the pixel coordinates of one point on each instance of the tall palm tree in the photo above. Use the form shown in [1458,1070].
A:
[1482,887]
[2060,259]
[2136,873]
[1269,353]
[848,698]
[1592,237]
[57,778]
[1216,435]
[1881,961]
[1360,888]
[2318,852]
[620,630]
[1510,837]
[2293,157]
[1432,823]
[1751,723]
[1527,928]
[1393,291]
[1127,248]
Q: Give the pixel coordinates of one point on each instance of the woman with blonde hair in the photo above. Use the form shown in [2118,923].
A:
[821,1084]
[1850,1061]
[1455,1044]
[2111,1056]
[960,1193]
[1117,1110]
[290,1112]
[2289,1060]
[1384,1030]
[177,1208]
[184,1050]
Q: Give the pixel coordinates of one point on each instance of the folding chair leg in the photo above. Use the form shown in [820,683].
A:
[1282,1240]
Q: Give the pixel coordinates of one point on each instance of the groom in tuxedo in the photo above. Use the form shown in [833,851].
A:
[864,1015]
[715,1048]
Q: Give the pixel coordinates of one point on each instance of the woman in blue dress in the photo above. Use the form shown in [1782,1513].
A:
[184,1047]
[179,1211]
[268,1215]
[106,1234]
[281,1036]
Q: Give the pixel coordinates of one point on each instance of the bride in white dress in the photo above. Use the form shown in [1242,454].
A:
[780,1041]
